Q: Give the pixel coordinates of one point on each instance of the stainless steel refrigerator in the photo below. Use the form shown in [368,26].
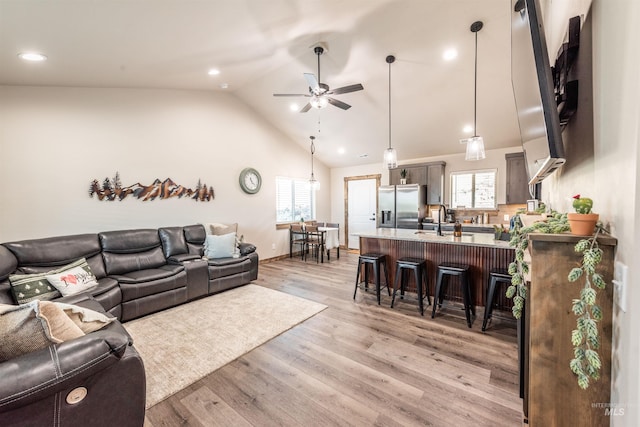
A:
[402,206]
[387,206]
[411,201]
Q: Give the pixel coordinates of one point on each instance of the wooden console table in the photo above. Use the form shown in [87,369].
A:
[552,396]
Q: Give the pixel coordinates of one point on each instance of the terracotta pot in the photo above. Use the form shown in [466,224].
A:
[582,224]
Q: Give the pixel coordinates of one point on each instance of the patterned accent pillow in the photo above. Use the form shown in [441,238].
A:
[73,280]
[28,287]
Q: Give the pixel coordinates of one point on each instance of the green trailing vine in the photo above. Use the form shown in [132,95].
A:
[519,268]
[585,339]
[586,363]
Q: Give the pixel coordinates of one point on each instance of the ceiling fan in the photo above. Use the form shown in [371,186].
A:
[319,92]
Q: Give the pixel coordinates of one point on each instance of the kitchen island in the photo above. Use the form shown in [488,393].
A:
[478,250]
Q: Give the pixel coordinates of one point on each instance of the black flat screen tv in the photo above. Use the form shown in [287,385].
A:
[533,91]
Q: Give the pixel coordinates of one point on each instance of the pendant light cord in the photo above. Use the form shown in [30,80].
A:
[475,89]
[389,104]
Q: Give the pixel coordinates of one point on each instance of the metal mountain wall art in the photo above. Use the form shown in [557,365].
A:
[112,189]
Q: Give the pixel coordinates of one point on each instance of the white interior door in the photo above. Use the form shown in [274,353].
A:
[362,209]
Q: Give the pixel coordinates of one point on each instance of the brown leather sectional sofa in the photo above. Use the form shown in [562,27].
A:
[139,272]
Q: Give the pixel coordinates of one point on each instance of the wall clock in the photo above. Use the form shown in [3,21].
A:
[250,180]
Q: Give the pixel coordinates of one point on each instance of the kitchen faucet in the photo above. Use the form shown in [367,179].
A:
[444,209]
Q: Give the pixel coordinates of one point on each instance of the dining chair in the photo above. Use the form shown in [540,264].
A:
[315,242]
[297,236]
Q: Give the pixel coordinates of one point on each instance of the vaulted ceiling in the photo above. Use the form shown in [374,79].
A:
[262,47]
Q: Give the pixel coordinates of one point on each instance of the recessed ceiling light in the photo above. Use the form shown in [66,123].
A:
[224,85]
[467,129]
[363,156]
[32,56]
[294,107]
[449,54]
[213,72]
[341,150]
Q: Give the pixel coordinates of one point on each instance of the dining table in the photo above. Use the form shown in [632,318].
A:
[331,240]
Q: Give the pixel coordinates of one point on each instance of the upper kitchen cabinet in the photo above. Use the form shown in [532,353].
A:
[517,180]
[429,174]
[435,185]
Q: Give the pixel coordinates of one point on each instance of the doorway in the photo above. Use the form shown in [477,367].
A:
[361,205]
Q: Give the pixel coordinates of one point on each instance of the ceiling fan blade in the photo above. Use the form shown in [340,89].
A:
[291,94]
[312,82]
[346,89]
[338,104]
[306,108]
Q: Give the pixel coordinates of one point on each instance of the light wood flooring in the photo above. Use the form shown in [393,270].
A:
[357,363]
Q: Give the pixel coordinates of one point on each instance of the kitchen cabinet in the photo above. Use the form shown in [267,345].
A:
[552,396]
[429,174]
[517,179]
[435,183]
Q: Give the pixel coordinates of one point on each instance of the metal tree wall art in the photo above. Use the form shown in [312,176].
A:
[112,189]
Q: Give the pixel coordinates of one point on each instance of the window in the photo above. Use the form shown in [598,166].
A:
[294,200]
[474,190]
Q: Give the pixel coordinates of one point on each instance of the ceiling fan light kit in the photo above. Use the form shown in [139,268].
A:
[319,92]
[475,144]
[390,155]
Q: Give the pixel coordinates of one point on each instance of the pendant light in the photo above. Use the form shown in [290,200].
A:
[475,144]
[313,182]
[390,156]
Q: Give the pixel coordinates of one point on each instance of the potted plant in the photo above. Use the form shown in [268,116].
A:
[403,176]
[583,221]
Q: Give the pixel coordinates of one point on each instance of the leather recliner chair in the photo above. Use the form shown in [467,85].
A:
[96,380]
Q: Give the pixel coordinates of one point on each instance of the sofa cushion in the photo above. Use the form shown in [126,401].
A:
[195,235]
[53,252]
[220,246]
[149,274]
[173,241]
[74,279]
[8,263]
[134,288]
[120,263]
[129,241]
[227,266]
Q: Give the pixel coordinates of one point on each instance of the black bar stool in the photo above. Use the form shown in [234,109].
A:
[495,276]
[419,267]
[376,261]
[460,270]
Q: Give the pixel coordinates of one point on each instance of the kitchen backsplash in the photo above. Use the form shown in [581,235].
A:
[495,216]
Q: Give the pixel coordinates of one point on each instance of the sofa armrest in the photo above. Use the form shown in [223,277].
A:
[182,258]
[30,377]
[246,248]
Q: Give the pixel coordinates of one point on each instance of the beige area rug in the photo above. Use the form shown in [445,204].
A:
[185,343]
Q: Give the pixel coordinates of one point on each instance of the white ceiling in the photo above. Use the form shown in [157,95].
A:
[264,46]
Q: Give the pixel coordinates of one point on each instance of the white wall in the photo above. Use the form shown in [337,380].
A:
[610,178]
[55,141]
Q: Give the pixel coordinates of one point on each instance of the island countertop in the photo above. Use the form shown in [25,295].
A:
[468,239]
